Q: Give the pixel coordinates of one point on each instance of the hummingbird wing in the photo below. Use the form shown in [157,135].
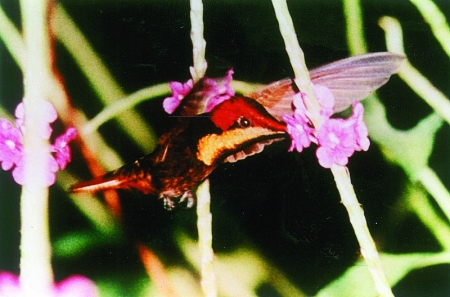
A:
[193,103]
[349,80]
[203,93]
[355,78]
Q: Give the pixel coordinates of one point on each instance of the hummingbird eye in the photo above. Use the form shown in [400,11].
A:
[243,122]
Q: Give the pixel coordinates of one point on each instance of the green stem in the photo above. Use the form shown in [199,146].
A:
[354,24]
[198,42]
[124,104]
[12,39]
[204,217]
[410,75]
[14,43]
[100,78]
[434,186]
[359,224]
[36,275]
[297,59]
[204,227]
[437,21]
[130,101]
[419,203]
[357,45]
[341,175]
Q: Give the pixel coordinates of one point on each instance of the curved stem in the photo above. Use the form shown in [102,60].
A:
[410,75]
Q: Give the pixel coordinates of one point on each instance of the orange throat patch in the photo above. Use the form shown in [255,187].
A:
[213,146]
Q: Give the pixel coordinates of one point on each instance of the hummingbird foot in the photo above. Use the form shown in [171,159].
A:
[187,200]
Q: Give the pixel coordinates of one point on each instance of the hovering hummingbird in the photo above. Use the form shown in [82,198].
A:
[234,129]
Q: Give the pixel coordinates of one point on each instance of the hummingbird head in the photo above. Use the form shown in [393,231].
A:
[246,128]
[243,112]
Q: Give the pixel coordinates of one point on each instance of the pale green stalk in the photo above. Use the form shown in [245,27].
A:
[395,45]
[357,45]
[297,59]
[204,217]
[36,276]
[115,109]
[419,203]
[14,43]
[100,78]
[204,227]
[415,80]
[6,115]
[341,175]
[198,42]
[354,23]
[12,39]
[437,100]
[437,21]
[359,224]
[124,104]
[436,188]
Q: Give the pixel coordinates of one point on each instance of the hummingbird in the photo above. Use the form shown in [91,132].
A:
[188,152]
[234,129]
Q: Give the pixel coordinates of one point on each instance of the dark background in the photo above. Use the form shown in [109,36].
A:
[283,203]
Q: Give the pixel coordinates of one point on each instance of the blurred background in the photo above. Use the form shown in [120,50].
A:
[282,207]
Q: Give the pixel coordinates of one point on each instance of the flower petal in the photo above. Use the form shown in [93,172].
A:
[299,131]
[76,286]
[179,91]
[325,98]
[9,284]
[61,147]
[217,91]
[10,144]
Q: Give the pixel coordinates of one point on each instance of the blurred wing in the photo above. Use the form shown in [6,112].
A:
[355,78]
[349,79]
[276,97]
[205,90]
[194,103]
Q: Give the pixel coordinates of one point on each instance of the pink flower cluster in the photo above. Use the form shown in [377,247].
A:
[74,286]
[337,138]
[11,148]
[213,92]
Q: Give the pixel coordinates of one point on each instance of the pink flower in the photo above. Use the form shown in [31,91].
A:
[336,142]
[217,91]
[10,145]
[362,139]
[299,126]
[62,149]
[73,286]
[213,92]
[326,100]
[179,91]
[337,138]
[9,285]
[11,148]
